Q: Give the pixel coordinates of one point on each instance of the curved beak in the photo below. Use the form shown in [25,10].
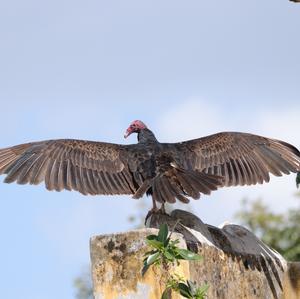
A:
[127,133]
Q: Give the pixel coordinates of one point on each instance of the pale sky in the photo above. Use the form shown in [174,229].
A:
[86,69]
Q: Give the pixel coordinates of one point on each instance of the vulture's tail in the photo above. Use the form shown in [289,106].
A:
[177,183]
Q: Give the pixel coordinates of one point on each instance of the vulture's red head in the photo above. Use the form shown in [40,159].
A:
[135,127]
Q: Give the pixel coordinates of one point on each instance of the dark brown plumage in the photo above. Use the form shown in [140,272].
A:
[167,171]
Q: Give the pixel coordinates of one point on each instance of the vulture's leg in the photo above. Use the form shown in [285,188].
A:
[162,209]
[153,210]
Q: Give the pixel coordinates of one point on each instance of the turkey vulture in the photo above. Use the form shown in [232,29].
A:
[167,171]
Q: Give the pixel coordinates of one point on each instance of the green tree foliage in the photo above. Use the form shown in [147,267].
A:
[278,230]
[83,285]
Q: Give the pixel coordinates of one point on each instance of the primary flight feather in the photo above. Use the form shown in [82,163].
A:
[167,171]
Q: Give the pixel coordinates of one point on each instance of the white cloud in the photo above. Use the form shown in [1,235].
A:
[190,119]
[281,123]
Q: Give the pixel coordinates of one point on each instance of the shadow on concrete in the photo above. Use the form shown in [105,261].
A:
[235,241]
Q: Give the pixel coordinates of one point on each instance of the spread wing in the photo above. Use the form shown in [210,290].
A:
[86,166]
[240,158]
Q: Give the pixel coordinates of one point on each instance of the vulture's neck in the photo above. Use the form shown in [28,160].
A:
[146,136]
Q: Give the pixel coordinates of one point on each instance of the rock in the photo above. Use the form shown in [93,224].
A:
[236,263]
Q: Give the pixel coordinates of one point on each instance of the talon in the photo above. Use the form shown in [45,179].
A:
[154,210]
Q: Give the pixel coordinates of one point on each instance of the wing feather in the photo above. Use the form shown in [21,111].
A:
[79,181]
[25,171]
[90,181]
[86,166]
[60,176]
[15,168]
[241,158]
[40,173]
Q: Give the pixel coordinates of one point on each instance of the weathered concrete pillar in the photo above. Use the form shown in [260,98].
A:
[236,264]
[117,261]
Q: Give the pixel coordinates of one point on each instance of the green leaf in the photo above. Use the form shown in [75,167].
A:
[151,237]
[188,255]
[184,290]
[174,242]
[190,284]
[149,252]
[166,294]
[169,255]
[154,243]
[201,292]
[152,258]
[163,233]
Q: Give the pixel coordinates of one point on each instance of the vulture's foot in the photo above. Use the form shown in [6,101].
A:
[156,211]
